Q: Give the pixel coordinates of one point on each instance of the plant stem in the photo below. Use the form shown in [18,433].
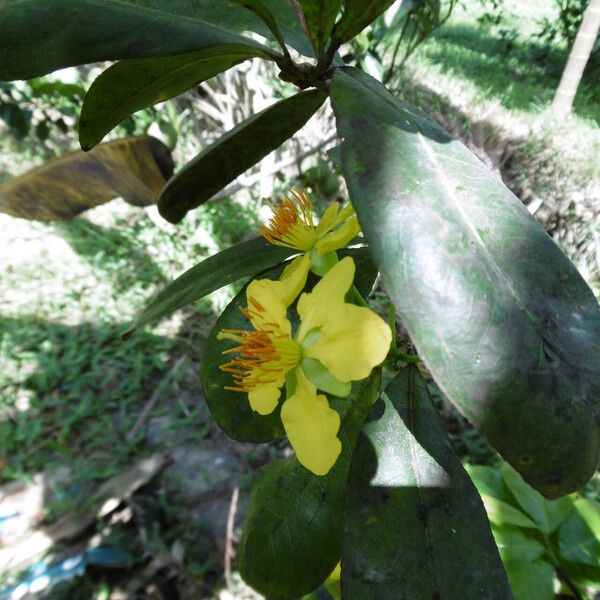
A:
[570,584]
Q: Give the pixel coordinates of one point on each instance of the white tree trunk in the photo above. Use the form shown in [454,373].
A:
[578,57]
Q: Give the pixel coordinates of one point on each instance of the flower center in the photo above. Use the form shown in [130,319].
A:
[265,355]
[292,223]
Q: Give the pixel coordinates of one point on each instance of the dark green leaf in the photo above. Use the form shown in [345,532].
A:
[243,260]
[531,580]
[579,535]
[231,410]
[319,16]
[39,37]
[17,118]
[235,152]
[357,15]
[263,13]
[134,168]
[581,573]
[504,322]
[292,536]
[548,514]
[130,85]
[415,525]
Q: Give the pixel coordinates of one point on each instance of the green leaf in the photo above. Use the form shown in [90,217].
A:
[502,513]
[235,152]
[579,535]
[242,260]
[513,544]
[231,410]
[39,37]
[357,15]
[502,319]
[531,580]
[293,531]
[415,525]
[582,574]
[130,85]
[319,16]
[548,514]
[488,480]
[134,168]
[263,13]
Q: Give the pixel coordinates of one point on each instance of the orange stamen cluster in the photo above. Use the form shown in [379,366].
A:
[287,213]
[258,358]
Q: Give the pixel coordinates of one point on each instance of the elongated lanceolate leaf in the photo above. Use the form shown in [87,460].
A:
[134,168]
[231,410]
[504,322]
[319,16]
[264,14]
[415,525]
[235,152]
[293,531]
[357,15]
[130,85]
[242,260]
[39,37]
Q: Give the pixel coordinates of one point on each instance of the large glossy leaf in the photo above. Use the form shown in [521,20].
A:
[133,84]
[415,525]
[319,16]
[357,15]
[231,410]
[39,37]
[242,260]
[504,322]
[293,531]
[134,168]
[235,152]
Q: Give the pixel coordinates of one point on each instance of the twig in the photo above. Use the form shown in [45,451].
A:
[229,554]
[570,584]
[152,402]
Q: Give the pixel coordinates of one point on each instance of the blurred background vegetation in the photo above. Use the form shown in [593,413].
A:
[79,406]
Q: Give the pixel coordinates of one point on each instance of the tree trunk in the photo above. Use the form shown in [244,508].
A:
[578,57]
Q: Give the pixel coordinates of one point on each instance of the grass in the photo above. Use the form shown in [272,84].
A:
[70,389]
[506,73]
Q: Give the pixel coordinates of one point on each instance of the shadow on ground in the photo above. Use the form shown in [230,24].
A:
[521,74]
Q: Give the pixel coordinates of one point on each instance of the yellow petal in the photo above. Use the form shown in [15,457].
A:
[276,295]
[352,340]
[328,220]
[263,397]
[268,299]
[338,238]
[293,279]
[326,296]
[311,426]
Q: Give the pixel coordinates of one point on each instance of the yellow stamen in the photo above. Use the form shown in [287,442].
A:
[264,355]
[292,222]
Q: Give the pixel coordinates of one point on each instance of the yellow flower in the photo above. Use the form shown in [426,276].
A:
[292,226]
[336,343]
